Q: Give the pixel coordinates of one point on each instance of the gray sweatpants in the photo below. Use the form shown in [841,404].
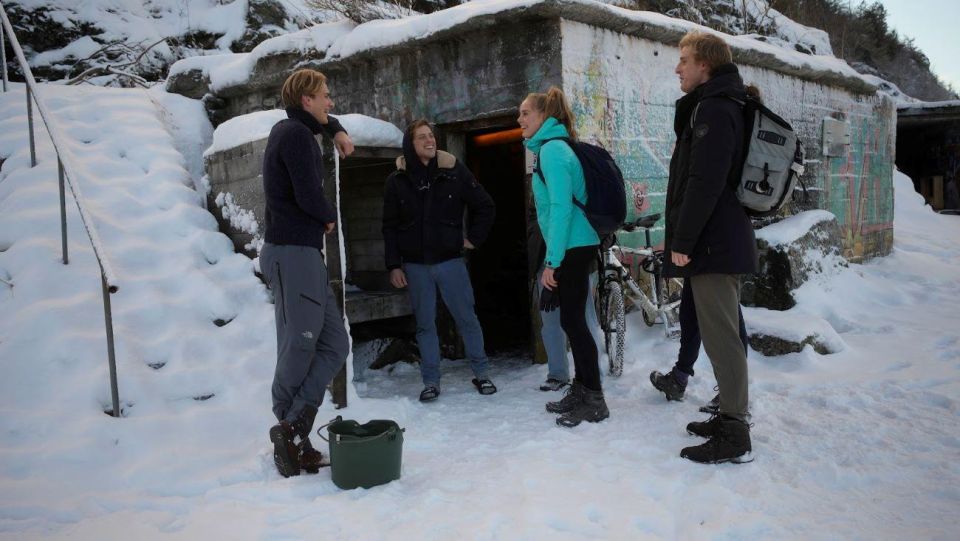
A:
[717,300]
[312,341]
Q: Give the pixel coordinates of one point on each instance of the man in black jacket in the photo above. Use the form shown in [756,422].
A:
[709,240]
[312,341]
[424,241]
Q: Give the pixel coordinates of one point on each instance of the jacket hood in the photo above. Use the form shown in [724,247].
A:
[550,129]
[444,160]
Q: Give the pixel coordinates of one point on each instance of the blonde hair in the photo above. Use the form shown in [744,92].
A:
[305,82]
[707,48]
[554,104]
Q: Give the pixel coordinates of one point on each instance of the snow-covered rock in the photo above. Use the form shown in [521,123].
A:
[791,251]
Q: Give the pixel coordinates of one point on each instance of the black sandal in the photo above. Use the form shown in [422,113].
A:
[429,394]
[484,386]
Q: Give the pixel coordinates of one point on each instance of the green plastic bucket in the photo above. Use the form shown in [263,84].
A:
[364,455]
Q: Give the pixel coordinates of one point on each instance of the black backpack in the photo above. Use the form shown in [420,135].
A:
[606,206]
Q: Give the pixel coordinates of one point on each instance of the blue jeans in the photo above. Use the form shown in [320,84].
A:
[555,342]
[453,281]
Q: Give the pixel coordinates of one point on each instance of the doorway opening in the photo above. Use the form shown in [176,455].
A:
[498,269]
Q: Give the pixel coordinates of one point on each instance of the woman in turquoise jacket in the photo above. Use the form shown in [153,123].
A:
[547,124]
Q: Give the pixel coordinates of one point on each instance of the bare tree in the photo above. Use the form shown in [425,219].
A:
[118,59]
[361,11]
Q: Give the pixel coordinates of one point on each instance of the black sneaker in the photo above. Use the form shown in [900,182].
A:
[668,385]
[429,393]
[570,400]
[705,429]
[731,443]
[484,385]
[592,409]
[286,454]
[712,407]
[553,384]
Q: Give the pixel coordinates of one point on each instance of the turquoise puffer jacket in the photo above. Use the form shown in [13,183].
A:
[563,224]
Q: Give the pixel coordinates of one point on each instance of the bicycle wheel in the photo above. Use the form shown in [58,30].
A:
[614,325]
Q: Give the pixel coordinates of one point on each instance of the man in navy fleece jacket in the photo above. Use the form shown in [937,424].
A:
[312,342]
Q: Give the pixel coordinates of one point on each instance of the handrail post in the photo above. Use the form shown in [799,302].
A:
[63,213]
[33,147]
[3,58]
[108,318]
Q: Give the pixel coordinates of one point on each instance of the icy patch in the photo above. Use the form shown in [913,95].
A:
[240,219]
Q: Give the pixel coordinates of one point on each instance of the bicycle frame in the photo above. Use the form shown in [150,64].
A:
[653,306]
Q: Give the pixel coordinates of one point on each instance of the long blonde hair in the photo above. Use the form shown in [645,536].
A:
[554,104]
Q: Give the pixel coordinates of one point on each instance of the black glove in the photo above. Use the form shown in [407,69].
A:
[549,300]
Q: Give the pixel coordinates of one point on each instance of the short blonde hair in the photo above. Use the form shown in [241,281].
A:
[707,48]
[305,82]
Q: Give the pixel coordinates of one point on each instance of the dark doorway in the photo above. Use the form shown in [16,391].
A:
[499,268]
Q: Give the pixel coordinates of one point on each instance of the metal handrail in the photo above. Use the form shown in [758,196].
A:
[66,168]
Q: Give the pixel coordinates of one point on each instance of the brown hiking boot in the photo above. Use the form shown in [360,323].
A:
[311,459]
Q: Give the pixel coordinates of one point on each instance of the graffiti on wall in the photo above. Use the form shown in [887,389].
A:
[857,184]
[622,90]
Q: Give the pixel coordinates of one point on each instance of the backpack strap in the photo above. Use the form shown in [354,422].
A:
[536,168]
[538,171]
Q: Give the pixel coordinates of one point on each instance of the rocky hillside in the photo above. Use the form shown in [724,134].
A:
[127,42]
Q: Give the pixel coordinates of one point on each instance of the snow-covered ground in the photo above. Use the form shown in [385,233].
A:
[861,444]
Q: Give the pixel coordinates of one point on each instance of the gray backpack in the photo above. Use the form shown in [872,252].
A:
[772,162]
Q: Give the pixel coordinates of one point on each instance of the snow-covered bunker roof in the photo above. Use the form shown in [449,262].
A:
[269,63]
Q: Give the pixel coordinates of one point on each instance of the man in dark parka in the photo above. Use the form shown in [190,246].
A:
[709,240]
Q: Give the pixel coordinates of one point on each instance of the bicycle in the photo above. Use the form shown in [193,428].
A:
[661,306]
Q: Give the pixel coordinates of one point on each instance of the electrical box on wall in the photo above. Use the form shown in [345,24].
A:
[836,137]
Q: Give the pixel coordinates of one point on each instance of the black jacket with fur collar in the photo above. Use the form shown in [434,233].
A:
[423,211]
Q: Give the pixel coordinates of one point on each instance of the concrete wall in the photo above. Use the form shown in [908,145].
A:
[474,74]
[237,171]
[623,91]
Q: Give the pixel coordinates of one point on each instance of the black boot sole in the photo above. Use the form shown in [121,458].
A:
[285,453]
[742,459]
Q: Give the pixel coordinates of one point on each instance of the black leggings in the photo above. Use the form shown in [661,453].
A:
[574,284]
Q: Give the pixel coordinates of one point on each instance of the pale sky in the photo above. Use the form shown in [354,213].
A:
[934,26]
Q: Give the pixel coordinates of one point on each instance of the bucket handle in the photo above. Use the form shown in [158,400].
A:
[392,432]
[330,422]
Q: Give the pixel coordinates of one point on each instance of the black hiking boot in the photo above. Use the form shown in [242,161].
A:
[592,409]
[570,400]
[286,454]
[668,385]
[712,407]
[731,443]
[705,429]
